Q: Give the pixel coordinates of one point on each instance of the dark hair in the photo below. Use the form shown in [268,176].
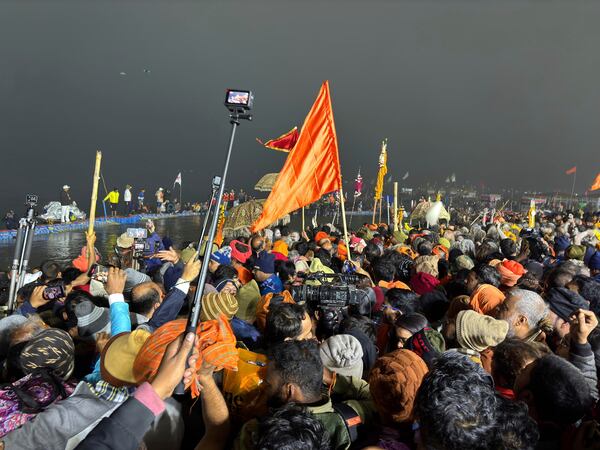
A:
[383,269]
[284,321]
[224,272]
[404,300]
[285,269]
[516,429]
[487,274]
[324,256]
[360,323]
[433,305]
[143,303]
[301,247]
[560,391]
[371,251]
[425,248]
[50,270]
[558,278]
[291,428]
[510,358]
[299,362]
[413,322]
[70,273]
[456,405]
[508,247]
[530,282]
[590,290]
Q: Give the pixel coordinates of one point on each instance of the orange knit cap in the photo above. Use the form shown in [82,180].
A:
[216,344]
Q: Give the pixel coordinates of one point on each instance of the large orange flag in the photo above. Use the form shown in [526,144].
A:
[596,183]
[311,170]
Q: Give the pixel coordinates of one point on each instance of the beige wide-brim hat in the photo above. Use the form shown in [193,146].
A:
[124,241]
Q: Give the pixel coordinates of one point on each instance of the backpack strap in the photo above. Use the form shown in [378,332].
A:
[350,417]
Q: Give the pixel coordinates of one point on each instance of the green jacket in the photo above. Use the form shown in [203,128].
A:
[350,390]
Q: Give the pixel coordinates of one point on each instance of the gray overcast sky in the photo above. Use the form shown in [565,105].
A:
[504,92]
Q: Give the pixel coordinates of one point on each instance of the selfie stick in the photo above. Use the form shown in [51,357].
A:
[21,257]
[192,323]
[215,187]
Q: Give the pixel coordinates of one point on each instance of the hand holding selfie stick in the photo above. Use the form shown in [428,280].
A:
[23,245]
[239,104]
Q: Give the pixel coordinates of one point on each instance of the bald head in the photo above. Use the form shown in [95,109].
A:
[145,298]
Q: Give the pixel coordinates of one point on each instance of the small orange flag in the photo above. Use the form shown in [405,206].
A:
[284,143]
[311,170]
[596,183]
[571,171]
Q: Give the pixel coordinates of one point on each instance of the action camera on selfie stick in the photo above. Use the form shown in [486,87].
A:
[239,103]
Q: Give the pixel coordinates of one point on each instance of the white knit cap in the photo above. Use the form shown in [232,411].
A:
[343,354]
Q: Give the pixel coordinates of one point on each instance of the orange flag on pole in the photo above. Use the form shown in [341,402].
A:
[596,183]
[284,143]
[571,171]
[311,170]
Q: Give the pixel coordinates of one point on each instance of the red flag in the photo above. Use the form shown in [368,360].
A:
[596,183]
[284,143]
[311,170]
[571,171]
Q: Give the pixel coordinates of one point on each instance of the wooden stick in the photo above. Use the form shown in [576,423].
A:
[374,209]
[92,216]
[347,242]
[380,208]
[303,226]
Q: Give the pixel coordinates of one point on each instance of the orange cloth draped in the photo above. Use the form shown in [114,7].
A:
[311,170]
[216,344]
[284,143]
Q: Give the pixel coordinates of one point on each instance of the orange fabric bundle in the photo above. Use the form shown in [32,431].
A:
[342,251]
[216,344]
[372,226]
[393,285]
[406,250]
[486,298]
[262,307]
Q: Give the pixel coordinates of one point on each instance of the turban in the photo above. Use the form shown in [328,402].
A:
[510,272]
[485,298]
[280,247]
[594,262]
[240,255]
[575,252]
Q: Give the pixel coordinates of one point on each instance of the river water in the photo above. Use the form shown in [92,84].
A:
[64,247]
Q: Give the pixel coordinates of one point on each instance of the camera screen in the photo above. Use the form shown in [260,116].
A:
[238,97]
[137,233]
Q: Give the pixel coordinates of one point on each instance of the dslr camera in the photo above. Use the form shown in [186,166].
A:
[139,236]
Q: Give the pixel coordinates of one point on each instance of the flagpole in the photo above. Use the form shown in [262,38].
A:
[395,206]
[374,209]
[573,188]
[352,213]
[94,198]
[346,241]
[303,226]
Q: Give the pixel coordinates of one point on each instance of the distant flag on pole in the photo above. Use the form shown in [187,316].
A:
[448,180]
[358,184]
[382,170]
[284,143]
[405,176]
[453,178]
[571,171]
[177,180]
[596,184]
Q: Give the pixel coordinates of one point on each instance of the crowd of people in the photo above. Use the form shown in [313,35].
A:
[456,336]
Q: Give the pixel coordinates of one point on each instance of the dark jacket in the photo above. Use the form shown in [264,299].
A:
[65,198]
[123,429]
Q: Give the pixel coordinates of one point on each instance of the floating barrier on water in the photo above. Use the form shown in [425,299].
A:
[42,229]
